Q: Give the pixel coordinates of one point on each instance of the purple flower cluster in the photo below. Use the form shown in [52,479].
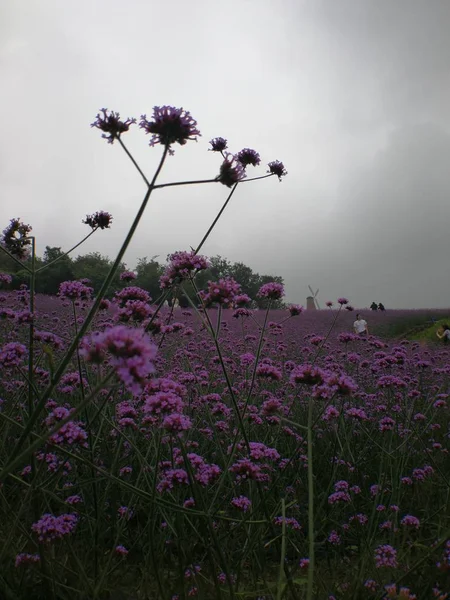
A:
[5,278]
[182,265]
[16,238]
[271,291]
[50,528]
[111,124]
[127,276]
[12,355]
[170,125]
[231,171]
[131,353]
[277,168]
[222,292]
[99,220]
[385,556]
[74,290]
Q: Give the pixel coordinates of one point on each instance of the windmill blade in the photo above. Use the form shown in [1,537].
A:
[316,294]
[311,290]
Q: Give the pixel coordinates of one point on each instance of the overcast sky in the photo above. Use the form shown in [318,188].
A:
[352,95]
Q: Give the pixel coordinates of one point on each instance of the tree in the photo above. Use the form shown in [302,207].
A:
[148,273]
[49,280]
[95,267]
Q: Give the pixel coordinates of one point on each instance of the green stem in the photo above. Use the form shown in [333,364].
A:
[205,237]
[89,318]
[256,178]
[164,185]
[310,590]
[139,170]
[16,260]
[17,460]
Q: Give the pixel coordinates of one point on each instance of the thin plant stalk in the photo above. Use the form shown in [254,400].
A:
[205,237]
[89,318]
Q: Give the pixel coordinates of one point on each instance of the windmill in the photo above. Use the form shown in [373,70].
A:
[313,297]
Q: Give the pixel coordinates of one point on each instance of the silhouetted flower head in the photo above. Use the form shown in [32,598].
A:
[127,276]
[295,309]
[15,238]
[170,125]
[271,290]
[181,265]
[231,171]
[111,124]
[218,144]
[99,220]
[247,156]
[277,168]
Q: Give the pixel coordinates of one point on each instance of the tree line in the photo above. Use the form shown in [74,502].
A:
[95,267]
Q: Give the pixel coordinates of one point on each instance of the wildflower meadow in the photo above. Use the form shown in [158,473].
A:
[150,451]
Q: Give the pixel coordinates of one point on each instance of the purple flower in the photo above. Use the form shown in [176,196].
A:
[121,550]
[15,238]
[247,156]
[182,264]
[99,220]
[111,124]
[291,523]
[131,351]
[176,422]
[277,168]
[170,125]
[25,559]
[334,538]
[307,374]
[74,290]
[50,528]
[218,144]
[231,171]
[269,372]
[12,354]
[339,497]
[295,309]
[385,556]
[410,521]
[5,278]
[127,276]
[342,301]
[241,503]
[222,292]
[271,290]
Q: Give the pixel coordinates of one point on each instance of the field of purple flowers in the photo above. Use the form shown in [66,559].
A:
[197,484]
[218,451]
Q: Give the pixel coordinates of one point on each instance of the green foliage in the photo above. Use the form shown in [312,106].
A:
[429,333]
[50,278]
[148,273]
[95,267]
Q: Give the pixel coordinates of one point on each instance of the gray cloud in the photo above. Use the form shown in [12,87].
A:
[353,96]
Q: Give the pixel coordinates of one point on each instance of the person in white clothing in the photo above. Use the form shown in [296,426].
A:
[445,335]
[360,326]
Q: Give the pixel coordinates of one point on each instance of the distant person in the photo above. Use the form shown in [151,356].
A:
[445,335]
[381,307]
[374,306]
[360,326]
